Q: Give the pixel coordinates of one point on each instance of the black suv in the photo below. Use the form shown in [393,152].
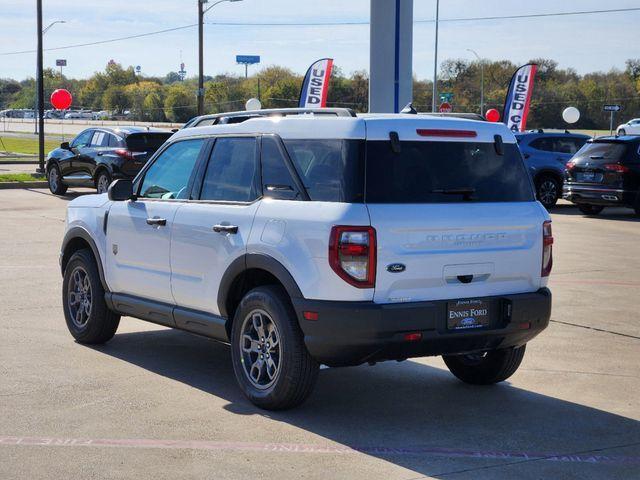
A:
[99,155]
[605,173]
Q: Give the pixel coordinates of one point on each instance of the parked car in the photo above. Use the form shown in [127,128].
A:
[546,154]
[267,234]
[605,173]
[79,114]
[99,155]
[632,127]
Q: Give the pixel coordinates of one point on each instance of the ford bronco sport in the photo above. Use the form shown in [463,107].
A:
[303,239]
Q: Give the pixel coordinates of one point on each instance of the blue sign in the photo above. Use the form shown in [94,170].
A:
[248,59]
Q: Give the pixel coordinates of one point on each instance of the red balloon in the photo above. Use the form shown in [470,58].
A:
[61,99]
[492,115]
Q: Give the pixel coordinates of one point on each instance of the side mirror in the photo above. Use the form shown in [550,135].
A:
[120,190]
[65,146]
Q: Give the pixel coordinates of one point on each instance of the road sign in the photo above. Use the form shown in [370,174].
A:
[446,97]
[445,107]
[248,59]
[61,62]
[612,108]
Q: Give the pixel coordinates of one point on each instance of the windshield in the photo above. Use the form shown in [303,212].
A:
[445,172]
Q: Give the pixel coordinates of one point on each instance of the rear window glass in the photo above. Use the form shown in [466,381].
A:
[331,170]
[445,172]
[608,151]
[146,142]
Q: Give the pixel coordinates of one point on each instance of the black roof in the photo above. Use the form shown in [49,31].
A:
[128,130]
[619,138]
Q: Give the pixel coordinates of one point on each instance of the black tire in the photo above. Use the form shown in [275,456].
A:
[100,324]
[548,190]
[622,132]
[296,372]
[103,180]
[590,209]
[492,367]
[54,180]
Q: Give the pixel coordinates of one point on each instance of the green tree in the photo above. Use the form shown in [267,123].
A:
[115,99]
[180,103]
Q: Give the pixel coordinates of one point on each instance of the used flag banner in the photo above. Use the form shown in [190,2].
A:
[516,105]
[316,84]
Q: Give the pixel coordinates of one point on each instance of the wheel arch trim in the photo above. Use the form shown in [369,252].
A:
[79,232]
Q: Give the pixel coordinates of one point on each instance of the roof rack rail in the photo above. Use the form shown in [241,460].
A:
[243,115]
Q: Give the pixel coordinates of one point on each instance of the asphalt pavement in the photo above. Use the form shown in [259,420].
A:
[161,404]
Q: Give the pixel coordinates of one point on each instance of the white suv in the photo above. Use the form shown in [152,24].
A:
[304,239]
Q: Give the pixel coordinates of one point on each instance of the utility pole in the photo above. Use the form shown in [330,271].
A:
[40,90]
[435,61]
[200,58]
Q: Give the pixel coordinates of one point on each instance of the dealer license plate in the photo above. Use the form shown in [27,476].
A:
[467,314]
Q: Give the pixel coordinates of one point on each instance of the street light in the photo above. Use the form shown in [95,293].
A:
[201,12]
[51,25]
[38,72]
[481,79]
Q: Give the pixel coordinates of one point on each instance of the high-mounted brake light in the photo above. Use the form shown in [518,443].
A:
[438,132]
[547,249]
[352,255]
[616,167]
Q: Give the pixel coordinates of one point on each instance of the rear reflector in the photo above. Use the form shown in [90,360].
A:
[524,326]
[434,132]
[413,337]
[310,315]
[616,167]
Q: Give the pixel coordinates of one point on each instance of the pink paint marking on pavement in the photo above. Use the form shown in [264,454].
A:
[317,449]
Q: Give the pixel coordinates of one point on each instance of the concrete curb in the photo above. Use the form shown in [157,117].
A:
[35,184]
[19,162]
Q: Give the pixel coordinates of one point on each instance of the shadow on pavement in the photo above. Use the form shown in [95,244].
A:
[403,406]
[609,213]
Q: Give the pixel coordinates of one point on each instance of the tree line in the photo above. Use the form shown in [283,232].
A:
[117,90]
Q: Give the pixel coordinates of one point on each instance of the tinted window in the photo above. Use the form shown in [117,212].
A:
[115,141]
[146,142]
[544,144]
[168,176]
[566,145]
[445,172]
[601,152]
[99,139]
[82,140]
[331,170]
[232,174]
[277,181]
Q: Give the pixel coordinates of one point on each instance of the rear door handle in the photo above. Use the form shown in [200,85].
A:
[161,222]
[233,229]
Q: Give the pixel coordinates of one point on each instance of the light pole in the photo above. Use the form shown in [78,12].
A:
[435,60]
[481,79]
[201,12]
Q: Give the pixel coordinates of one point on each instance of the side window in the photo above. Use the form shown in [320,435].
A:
[99,139]
[277,181]
[232,173]
[564,145]
[114,141]
[168,177]
[82,140]
[544,144]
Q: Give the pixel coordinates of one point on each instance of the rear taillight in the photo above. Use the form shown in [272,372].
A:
[127,154]
[352,255]
[547,248]
[616,167]
[570,165]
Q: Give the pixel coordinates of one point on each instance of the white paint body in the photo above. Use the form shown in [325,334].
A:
[183,262]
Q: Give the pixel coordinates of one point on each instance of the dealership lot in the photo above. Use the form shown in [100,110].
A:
[165,404]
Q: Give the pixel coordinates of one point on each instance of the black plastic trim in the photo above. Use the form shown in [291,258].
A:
[79,232]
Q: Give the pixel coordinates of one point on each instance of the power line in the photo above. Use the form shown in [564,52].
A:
[337,24]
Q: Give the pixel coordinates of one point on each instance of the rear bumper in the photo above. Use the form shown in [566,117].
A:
[351,333]
[598,195]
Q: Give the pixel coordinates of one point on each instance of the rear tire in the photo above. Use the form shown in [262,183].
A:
[271,363]
[548,190]
[590,209]
[88,318]
[487,368]
[622,132]
[103,180]
[54,180]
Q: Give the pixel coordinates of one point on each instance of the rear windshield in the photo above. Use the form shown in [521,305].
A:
[331,170]
[601,151]
[445,172]
[146,142]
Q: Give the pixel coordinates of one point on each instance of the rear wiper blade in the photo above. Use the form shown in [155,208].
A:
[596,157]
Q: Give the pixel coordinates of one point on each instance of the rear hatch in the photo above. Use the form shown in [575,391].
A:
[601,163]
[454,217]
[140,147]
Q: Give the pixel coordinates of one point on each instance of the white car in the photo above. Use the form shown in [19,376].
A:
[304,239]
[632,127]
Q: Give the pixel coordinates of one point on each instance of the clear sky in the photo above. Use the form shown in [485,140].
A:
[585,43]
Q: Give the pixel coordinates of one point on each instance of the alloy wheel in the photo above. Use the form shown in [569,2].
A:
[548,192]
[103,184]
[53,179]
[79,297]
[260,348]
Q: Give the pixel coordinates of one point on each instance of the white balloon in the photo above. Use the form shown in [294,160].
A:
[571,114]
[253,104]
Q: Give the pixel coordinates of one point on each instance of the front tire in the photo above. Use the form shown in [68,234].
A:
[485,368]
[590,209]
[622,132]
[548,191]
[103,180]
[54,180]
[88,318]
[271,363]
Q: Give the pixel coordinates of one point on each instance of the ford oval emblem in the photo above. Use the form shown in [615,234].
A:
[396,267]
